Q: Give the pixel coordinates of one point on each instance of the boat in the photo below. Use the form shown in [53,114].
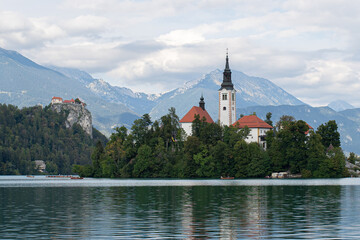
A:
[227,178]
[73,177]
[59,176]
[31,176]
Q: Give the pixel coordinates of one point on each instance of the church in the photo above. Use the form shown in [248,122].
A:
[227,112]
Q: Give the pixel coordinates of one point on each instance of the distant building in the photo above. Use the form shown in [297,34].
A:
[186,121]
[60,100]
[40,165]
[56,100]
[311,129]
[69,101]
[257,127]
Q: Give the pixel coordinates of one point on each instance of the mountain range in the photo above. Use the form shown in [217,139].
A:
[26,83]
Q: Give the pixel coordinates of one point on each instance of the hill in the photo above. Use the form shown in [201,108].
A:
[34,133]
[25,83]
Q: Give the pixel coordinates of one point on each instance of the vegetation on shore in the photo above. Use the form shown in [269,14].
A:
[37,133]
[159,149]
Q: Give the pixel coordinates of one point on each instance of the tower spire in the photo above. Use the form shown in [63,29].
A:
[227,60]
[202,102]
[227,83]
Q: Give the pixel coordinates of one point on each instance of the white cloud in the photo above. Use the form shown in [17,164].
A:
[181,37]
[86,24]
[326,80]
[16,31]
[310,48]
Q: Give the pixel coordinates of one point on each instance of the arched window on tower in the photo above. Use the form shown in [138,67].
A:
[224,96]
[224,108]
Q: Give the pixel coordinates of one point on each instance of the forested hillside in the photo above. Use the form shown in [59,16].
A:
[34,133]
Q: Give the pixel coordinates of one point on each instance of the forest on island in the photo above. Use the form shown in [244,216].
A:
[160,149]
[37,133]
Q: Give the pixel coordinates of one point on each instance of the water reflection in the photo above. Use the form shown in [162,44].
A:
[180,212]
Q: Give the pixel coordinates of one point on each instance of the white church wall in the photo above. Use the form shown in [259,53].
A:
[187,128]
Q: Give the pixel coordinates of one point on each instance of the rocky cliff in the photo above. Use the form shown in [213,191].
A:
[77,114]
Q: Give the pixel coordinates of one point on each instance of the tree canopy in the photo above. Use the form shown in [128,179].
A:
[34,133]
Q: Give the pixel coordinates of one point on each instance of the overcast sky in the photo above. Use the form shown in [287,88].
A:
[309,48]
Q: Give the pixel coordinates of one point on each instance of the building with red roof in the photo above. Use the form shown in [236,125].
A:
[56,100]
[186,121]
[69,101]
[311,129]
[257,127]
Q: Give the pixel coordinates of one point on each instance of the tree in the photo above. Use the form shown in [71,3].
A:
[352,158]
[284,121]
[334,165]
[259,165]
[268,118]
[329,134]
[241,159]
[206,164]
[143,164]
[141,130]
[316,155]
[96,158]
[288,149]
[192,147]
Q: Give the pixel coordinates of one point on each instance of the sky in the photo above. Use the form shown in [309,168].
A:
[311,49]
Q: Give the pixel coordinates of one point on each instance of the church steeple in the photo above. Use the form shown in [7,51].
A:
[202,102]
[227,83]
[227,97]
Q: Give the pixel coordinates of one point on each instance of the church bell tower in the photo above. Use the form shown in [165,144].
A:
[227,97]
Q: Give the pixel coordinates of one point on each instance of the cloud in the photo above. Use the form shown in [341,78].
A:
[324,81]
[86,25]
[17,31]
[310,48]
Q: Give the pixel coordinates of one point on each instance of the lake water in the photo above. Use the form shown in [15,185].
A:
[43,208]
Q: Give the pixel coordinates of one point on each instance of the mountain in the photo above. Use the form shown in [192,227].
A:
[140,103]
[340,105]
[347,121]
[26,83]
[74,73]
[251,91]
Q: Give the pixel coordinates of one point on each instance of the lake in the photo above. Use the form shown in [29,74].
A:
[43,208]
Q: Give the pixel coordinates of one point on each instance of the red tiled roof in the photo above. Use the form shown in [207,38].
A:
[57,98]
[310,128]
[190,116]
[252,121]
[69,101]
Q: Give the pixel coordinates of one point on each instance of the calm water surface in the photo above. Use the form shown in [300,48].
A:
[42,208]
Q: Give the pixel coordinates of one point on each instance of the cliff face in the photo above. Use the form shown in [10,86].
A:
[77,114]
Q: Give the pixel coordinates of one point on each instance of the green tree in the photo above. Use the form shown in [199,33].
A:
[141,130]
[268,118]
[316,156]
[259,165]
[206,164]
[241,158]
[284,121]
[329,134]
[143,165]
[352,158]
[96,158]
